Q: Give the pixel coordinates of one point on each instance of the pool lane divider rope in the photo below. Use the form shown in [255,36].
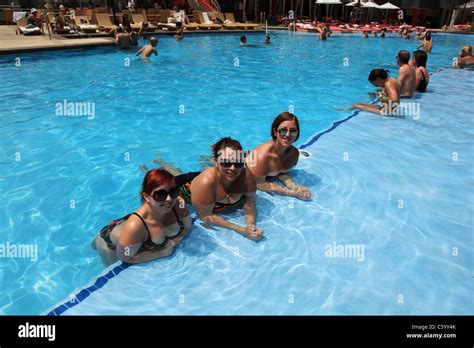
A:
[102,280]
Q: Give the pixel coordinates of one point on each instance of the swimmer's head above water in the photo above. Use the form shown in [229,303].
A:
[466,51]
[285,129]
[159,190]
[420,58]
[229,157]
[403,57]
[154,41]
[377,77]
[243,40]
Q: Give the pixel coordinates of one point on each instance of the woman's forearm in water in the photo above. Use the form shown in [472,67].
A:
[272,187]
[250,212]
[286,179]
[221,222]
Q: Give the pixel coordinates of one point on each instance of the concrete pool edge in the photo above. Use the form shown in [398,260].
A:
[62,43]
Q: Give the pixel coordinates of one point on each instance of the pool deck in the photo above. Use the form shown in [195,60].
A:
[11,43]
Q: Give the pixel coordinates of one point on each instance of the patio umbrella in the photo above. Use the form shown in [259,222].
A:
[328,2]
[354,3]
[388,6]
[369,5]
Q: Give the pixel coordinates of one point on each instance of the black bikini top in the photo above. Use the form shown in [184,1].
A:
[148,244]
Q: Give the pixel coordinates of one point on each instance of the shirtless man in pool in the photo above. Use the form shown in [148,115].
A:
[148,50]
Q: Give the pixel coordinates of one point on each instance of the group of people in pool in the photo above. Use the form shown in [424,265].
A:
[163,219]
[146,51]
[412,77]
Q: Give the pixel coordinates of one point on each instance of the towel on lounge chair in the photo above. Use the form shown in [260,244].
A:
[204,21]
[225,22]
[230,16]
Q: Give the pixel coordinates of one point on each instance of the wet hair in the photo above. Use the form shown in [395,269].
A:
[153,40]
[284,116]
[378,74]
[243,37]
[420,58]
[267,37]
[153,179]
[222,144]
[404,56]
[467,49]
[428,36]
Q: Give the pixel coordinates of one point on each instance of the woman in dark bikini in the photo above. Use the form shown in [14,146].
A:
[422,77]
[153,230]
[225,187]
[229,184]
[272,160]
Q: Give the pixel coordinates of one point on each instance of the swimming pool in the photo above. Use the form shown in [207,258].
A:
[64,177]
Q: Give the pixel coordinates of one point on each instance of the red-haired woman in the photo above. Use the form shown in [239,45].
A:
[273,159]
[153,230]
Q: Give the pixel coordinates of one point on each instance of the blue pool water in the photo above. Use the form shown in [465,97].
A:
[94,162]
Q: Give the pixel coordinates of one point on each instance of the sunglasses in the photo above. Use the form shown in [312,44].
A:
[228,164]
[284,131]
[161,195]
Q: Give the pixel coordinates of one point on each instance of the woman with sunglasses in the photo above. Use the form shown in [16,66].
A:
[153,230]
[271,161]
[224,187]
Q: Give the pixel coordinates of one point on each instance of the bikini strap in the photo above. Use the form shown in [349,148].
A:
[144,223]
[181,225]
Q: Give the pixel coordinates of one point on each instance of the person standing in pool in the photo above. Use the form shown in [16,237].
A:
[147,50]
[422,76]
[122,40]
[427,43]
[243,40]
[272,160]
[227,185]
[267,40]
[389,96]
[153,230]
[406,74]
[465,58]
